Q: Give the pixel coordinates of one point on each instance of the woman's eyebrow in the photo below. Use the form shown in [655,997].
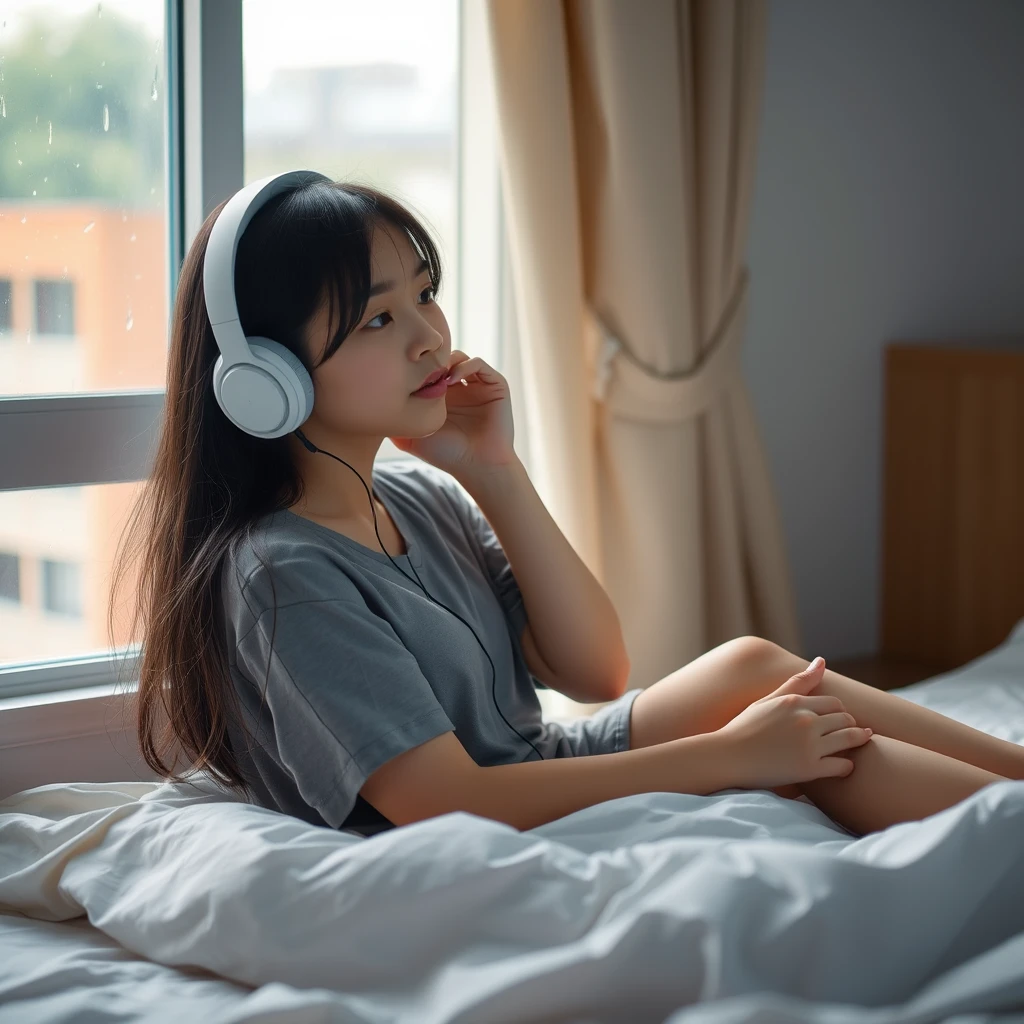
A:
[385,286]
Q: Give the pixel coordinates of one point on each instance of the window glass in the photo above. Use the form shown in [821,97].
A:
[57,547]
[364,92]
[10,577]
[55,307]
[83,253]
[5,306]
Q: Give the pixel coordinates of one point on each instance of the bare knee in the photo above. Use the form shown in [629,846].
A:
[753,654]
[755,666]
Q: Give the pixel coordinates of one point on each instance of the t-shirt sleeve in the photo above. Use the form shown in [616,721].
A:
[344,694]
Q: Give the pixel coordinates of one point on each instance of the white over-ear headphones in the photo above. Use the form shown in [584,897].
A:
[262,386]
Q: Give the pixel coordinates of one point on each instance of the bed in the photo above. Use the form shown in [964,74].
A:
[149,901]
[155,902]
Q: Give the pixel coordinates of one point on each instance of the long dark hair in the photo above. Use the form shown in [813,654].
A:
[211,481]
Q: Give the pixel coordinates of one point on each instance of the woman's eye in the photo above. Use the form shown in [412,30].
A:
[370,323]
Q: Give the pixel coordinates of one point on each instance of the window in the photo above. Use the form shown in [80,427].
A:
[5,306]
[55,307]
[10,580]
[318,96]
[84,230]
[125,123]
[322,96]
[65,539]
[62,587]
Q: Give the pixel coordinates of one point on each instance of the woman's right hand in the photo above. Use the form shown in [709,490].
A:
[789,736]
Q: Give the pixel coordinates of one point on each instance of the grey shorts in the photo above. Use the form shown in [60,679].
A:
[604,732]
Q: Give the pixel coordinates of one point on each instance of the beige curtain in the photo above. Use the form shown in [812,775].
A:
[628,132]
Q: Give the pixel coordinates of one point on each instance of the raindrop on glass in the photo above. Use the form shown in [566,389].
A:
[132,239]
[99,10]
[23,219]
[33,191]
[89,227]
[50,140]
[129,322]
[3,107]
[78,165]
[153,94]
[106,118]
[19,163]
[99,85]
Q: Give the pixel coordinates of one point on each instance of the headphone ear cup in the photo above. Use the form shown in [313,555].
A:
[268,395]
[293,377]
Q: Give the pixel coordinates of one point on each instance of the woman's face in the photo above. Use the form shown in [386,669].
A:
[366,387]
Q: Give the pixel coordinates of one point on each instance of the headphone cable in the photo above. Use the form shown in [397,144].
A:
[494,677]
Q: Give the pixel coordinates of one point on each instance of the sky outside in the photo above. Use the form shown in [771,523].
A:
[311,33]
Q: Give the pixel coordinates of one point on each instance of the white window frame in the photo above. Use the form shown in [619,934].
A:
[110,437]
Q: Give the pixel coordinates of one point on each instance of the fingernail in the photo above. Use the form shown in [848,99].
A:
[813,665]
[869,731]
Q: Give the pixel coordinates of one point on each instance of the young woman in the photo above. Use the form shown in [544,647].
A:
[359,645]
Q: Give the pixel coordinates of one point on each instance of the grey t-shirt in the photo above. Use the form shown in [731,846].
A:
[362,665]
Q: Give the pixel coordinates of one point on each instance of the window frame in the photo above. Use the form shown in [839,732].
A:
[110,437]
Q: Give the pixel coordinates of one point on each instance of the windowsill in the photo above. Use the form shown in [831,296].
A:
[72,693]
[63,714]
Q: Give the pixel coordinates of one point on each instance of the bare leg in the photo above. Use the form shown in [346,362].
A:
[712,689]
[893,781]
[909,769]
[890,715]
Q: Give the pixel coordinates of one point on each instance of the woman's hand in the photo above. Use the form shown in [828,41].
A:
[788,736]
[478,433]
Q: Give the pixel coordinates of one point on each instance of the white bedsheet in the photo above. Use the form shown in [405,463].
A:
[736,907]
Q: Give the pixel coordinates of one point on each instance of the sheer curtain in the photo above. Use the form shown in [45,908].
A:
[627,136]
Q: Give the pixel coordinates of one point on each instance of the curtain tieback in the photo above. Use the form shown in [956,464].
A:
[633,391]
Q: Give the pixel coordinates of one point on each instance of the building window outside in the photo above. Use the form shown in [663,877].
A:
[6,318]
[62,587]
[55,308]
[10,577]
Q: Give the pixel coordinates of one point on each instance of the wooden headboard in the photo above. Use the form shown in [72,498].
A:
[953,520]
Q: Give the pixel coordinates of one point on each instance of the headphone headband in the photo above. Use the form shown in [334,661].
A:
[261,385]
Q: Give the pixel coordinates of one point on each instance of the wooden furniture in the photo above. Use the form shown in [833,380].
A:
[953,509]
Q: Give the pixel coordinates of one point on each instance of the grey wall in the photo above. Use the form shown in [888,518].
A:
[888,204]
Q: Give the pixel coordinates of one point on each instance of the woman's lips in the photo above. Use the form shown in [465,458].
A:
[432,390]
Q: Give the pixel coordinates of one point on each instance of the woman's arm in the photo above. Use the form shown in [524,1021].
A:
[439,777]
[573,626]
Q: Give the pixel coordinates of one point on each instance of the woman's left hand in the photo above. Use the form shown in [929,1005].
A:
[478,433]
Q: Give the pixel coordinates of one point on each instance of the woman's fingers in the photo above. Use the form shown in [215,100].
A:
[460,365]
[821,704]
[844,739]
[836,720]
[834,766]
